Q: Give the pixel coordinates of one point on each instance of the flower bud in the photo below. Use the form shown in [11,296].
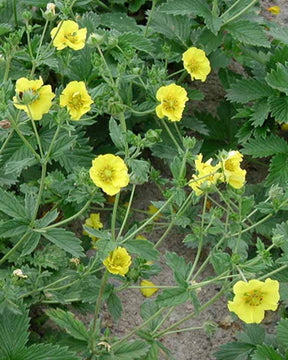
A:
[5,124]
[19,273]
[95,39]
[49,14]
[26,15]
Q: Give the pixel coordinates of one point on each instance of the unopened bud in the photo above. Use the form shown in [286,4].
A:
[95,39]
[5,124]
[49,14]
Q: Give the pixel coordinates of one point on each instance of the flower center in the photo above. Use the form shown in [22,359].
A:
[230,165]
[118,261]
[253,298]
[76,101]
[106,175]
[72,37]
[194,67]
[170,104]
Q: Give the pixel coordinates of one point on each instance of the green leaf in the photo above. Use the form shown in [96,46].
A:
[140,171]
[47,352]
[104,246]
[65,240]
[236,9]
[234,351]
[173,27]
[248,32]
[136,41]
[114,306]
[130,350]
[67,320]
[279,108]
[279,33]
[47,219]
[209,41]
[147,309]
[143,248]
[4,28]
[280,236]
[119,21]
[271,145]
[19,165]
[245,90]
[13,334]
[266,352]
[171,297]
[253,334]
[278,79]
[31,243]
[116,134]
[282,333]
[12,228]
[10,205]
[220,261]
[278,170]
[260,112]
[179,267]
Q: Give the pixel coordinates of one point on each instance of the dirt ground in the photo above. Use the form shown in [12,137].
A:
[196,344]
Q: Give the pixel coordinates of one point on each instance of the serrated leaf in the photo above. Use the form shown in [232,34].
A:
[140,171]
[10,205]
[282,332]
[114,306]
[260,113]
[18,166]
[136,41]
[143,248]
[119,21]
[253,334]
[280,234]
[234,351]
[271,145]
[4,28]
[130,350]
[278,170]
[13,334]
[245,90]
[30,243]
[279,108]
[279,33]
[65,240]
[266,352]
[47,352]
[179,267]
[12,228]
[67,320]
[171,297]
[173,27]
[116,134]
[248,32]
[236,9]
[47,219]
[278,79]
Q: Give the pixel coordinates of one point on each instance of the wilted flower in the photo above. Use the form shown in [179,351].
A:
[253,298]
[118,261]
[232,173]
[19,273]
[67,33]
[110,173]
[206,175]
[32,94]
[196,63]
[76,98]
[75,261]
[274,10]
[145,291]
[93,222]
[173,99]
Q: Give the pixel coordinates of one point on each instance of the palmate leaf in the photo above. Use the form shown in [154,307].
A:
[245,90]
[248,33]
[13,334]
[46,352]
[65,240]
[266,352]
[271,145]
[278,79]
[67,320]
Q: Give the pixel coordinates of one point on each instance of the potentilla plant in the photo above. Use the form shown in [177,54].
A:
[86,95]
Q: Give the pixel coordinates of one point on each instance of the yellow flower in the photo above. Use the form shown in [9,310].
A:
[206,175]
[67,33]
[233,174]
[76,98]
[196,63]
[152,210]
[173,99]
[93,222]
[148,292]
[110,173]
[41,97]
[118,261]
[284,127]
[274,10]
[140,237]
[253,298]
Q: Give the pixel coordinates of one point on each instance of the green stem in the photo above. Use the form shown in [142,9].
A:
[114,213]
[127,212]
[178,132]
[165,317]
[35,131]
[199,249]
[179,322]
[124,131]
[52,144]
[283,267]
[15,13]
[149,17]
[6,142]
[253,226]
[240,12]
[39,48]
[40,191]
[7,67]
[171,135]
[183,330]
[181,78]
[175,73]
[15,247]
[106,65]
[96,311]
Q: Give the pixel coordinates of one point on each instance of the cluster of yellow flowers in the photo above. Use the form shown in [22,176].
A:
[227,170]
[173,97]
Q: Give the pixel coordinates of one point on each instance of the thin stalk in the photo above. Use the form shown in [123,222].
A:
[7,68]
[124,131]
[153,287]
[178,132]
[114,213]
[41,188]
[283,267]
[253,226]
[15,247]
[15,13]
[179,322]
[35,131]
[106,65]
[97,309]
[199,249]
[170,134]
[165,317]
[224,200]
[149,17]
[127,212]
[165,234]
[52,143]
[39,48]
[6,141]
[182,77]
[175,73]
[183,330]
[66,221]
[240,12]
